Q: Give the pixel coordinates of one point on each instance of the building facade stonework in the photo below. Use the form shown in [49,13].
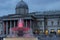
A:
[48,21]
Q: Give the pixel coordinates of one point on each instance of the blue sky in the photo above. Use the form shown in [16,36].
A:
[8,6]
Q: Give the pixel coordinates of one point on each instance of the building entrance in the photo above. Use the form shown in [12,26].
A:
[53,32]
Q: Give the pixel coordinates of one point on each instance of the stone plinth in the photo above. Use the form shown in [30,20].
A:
[20,38]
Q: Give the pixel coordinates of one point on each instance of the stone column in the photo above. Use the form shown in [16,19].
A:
[26,23]
[33,24]
[14,23]
[30,24]
[3,27]
[6,27]
[10,27]
[43,25]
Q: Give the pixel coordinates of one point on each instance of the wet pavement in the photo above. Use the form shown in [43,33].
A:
[44,37]
[54,37]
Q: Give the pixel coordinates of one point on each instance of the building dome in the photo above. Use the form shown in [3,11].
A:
[22,4]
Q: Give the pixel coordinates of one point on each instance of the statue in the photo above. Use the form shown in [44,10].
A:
[21,31]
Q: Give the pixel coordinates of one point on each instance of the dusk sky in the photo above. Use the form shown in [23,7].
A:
[8,6]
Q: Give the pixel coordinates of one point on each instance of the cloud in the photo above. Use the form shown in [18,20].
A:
[8,6]
[43,5]
[54,6]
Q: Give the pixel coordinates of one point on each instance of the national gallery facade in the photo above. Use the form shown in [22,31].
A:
[47,21]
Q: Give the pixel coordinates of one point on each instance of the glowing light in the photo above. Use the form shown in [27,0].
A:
[20,23]
[52,30]
[46,32]
[58,31]
[20,26]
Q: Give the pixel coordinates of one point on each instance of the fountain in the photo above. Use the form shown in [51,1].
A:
[20,32]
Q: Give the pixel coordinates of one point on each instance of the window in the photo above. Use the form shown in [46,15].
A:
[52,30]
[58,31]
[49,23]
[52,22]
[21,11]
[40,23]
[58,22]
[46,32]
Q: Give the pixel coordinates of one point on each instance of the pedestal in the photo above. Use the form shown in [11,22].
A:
[20,38]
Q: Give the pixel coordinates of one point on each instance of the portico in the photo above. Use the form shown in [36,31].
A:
[7,24]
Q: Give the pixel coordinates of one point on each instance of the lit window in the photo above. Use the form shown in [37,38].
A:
[52,30]
[58,31]
[37,31]
[46,32]
[41,31]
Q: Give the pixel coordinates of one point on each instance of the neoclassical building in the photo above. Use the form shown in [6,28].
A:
[47,21]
